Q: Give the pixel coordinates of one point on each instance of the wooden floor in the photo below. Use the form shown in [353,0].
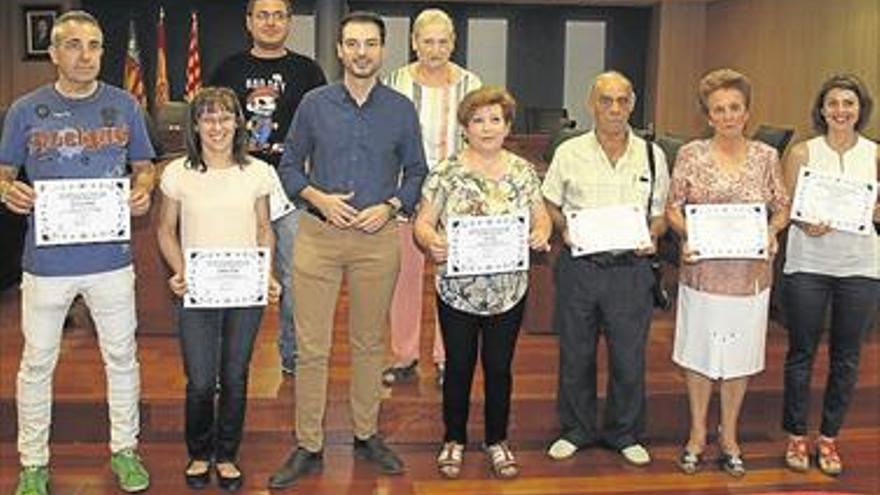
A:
[411,423]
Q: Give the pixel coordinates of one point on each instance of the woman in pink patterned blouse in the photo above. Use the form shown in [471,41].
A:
[723,303]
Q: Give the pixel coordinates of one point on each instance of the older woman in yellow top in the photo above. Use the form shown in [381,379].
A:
[480,313]
[723,304]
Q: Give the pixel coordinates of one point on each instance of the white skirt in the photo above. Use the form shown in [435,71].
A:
[720,336]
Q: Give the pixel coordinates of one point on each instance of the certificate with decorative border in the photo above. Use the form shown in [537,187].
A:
[81,211]
[727,230]
[226,278]
[279,204]
[482,245]
[844,203]
[609,228]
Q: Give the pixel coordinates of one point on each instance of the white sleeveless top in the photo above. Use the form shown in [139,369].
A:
[839,254]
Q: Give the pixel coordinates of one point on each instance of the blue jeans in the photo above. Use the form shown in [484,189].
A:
[285,230]
[854,303]
[203,332]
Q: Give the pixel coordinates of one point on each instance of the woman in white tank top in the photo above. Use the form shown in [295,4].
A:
[824,265]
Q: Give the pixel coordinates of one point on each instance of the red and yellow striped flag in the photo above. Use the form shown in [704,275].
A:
[162,94]
[193,64]
[132,78]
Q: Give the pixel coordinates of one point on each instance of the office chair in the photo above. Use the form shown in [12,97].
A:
[777,137]
[546,120]
[171,123]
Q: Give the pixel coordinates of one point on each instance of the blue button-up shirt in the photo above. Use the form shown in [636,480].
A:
[373,150]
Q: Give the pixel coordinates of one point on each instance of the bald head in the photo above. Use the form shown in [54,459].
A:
[611,102]
[611,78]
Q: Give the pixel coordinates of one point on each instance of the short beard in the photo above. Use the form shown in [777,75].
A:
[262,45]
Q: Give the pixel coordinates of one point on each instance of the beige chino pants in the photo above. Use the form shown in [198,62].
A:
[323,254]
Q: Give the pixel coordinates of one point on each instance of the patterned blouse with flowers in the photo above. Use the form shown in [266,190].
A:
[453,190]
[697,179]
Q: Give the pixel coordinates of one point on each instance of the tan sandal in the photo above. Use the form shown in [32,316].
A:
[501,460]
[450,459]
[827,457]
[797,454]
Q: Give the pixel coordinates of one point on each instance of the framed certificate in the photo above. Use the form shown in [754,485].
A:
[279,204]
[81,211]
[482,245]
[226,278]
[608,228]
[736,230]
[842,202]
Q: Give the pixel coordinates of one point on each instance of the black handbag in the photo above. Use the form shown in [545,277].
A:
[659,293]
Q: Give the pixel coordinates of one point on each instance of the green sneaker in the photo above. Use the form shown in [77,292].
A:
[130,471]
[33,480]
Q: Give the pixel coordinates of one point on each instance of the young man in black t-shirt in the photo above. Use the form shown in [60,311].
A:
[270,81]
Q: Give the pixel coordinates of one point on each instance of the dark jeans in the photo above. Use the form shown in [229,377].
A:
[462,333]
[614,295]
[854,303]
[216,342]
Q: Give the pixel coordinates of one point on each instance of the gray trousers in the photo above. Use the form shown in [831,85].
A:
[614,294]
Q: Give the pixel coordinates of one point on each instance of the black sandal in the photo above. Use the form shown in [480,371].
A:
[732,464]
[689,462]
[399,374]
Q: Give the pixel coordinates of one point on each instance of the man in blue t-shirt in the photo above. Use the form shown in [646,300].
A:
[76,128]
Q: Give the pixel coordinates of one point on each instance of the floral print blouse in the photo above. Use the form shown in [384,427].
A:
[697,179]
[453,190]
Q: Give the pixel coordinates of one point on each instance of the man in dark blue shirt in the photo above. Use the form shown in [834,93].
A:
[363,145]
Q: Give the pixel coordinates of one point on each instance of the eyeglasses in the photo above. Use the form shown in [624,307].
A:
[76,45]
[264,15]
[221,119]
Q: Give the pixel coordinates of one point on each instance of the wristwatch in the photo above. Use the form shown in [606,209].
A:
[395,205]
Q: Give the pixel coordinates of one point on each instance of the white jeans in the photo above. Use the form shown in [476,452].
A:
[45,302]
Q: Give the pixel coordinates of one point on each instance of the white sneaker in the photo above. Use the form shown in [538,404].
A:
[562,449]
[636,454]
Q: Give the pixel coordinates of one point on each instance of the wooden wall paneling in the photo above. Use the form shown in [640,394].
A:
[18,76]
[787,47]
[680,38]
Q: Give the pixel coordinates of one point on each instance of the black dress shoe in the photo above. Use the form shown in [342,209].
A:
[199,480]
[229,483]
[374,450]
[300,463]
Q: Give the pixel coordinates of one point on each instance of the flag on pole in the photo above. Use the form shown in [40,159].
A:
[161,95]
[193,64]
[133,79]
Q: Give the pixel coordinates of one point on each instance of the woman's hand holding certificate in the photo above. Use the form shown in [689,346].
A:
[732,230]
[843,203]
[482,245]
[226,278]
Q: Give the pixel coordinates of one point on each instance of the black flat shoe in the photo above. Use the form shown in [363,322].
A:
[199,480]
[229,483]
[400,374]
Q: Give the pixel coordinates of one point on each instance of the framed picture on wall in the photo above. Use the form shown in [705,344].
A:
[38,22]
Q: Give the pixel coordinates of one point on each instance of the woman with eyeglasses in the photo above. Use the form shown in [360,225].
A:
[219,198]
